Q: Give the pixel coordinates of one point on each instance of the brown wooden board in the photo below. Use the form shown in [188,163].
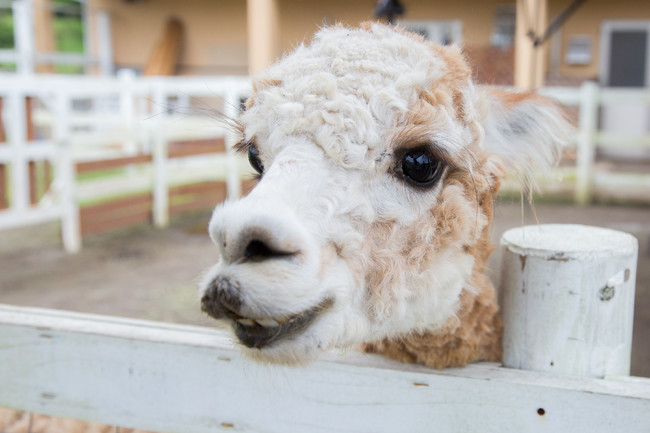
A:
[33,187]
[104,164]
[247,186]
[109,207]
[178,149]
[218,187]
[4,204]
[126,220]
[115,214]
[192,197]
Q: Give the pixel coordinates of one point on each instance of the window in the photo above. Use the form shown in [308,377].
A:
[503,33]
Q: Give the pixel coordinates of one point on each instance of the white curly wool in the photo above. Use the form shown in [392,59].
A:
[345,91]
[345,237]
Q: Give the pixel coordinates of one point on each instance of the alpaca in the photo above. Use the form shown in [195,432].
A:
[378,162]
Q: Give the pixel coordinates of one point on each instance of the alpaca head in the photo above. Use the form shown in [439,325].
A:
[378,160]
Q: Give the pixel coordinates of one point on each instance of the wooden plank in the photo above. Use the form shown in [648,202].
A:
[99,226]
[198,196]
[216,187]
[104,164]
[202,203]
[109,206]
[179,149]
[173,378]
[248,185]
[4,204]
[33,191]
[115,214]
[164,57]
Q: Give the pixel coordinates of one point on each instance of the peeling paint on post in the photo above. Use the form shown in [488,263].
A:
[567,296]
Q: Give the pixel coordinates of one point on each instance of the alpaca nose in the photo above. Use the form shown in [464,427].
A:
[258,250]
[246,235]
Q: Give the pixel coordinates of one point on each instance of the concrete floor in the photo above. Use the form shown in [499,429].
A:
[152,274]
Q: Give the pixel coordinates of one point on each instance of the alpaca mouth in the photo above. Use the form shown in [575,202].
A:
[258,333]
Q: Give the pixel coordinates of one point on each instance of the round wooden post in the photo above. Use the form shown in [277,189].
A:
[567,298]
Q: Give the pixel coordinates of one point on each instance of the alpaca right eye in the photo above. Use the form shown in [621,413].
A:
[420,167]
[254,159]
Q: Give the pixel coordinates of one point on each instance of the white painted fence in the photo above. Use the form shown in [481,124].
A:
[129,115]
[591,100]
[135,113]
[181,379]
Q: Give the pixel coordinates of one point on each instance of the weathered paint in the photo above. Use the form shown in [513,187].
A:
[172,378]
[567,296]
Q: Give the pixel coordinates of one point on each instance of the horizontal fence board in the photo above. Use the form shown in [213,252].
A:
[89,227]
[115,214]
[179,149]
[4,204]
[97,210]
[198,196]
[217,187]
[620,141]
[105,164]
[201,203]
[11,218]
[171,378]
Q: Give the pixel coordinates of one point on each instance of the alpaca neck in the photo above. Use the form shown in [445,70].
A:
[473,334]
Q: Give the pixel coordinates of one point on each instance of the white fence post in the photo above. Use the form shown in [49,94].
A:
[160,155]
[70,225]
[24,36]
[588,124]
[127,109]
[17,131]
[104,42]
[567,297]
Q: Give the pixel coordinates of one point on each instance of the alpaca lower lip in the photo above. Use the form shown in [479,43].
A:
[252,334]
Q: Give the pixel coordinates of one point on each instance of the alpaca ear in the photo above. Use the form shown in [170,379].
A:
[524,130]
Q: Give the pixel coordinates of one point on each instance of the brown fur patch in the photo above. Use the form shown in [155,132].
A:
[475,332]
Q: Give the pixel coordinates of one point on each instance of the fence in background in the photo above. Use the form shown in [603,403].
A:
[615,179]
[71,142]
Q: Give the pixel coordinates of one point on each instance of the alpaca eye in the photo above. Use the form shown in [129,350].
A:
[254,159]
[421,168]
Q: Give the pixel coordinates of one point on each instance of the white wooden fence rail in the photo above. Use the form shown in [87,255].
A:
[590,99]
[181,379]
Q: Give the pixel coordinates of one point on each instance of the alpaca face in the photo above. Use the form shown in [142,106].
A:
[374,192]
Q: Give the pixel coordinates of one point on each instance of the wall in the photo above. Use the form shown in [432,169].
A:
[215,33]
[216,40]
[587,20]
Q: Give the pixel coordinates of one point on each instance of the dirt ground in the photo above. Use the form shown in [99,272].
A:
[153,274]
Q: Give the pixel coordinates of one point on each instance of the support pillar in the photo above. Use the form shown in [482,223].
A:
[530,61]
[263,21]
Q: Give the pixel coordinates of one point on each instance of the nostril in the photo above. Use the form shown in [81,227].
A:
[257,250]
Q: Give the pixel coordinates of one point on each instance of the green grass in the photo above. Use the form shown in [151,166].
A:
[67,28]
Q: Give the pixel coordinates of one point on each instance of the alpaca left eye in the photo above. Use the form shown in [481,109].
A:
[254,159]
[420,167]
